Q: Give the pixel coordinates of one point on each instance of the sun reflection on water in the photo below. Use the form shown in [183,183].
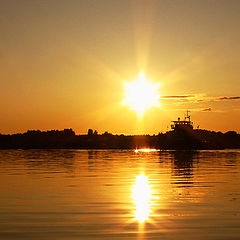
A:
[145,150]
[142,198]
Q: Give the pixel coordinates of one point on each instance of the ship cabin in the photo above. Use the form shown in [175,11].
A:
[183,125]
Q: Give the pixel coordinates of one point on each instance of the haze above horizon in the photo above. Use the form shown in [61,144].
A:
[66,64]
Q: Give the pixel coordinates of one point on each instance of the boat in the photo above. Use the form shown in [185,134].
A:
[185,125]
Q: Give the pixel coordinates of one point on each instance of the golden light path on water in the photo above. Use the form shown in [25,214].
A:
[142,197]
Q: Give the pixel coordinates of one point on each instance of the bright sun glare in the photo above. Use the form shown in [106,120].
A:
[141,94]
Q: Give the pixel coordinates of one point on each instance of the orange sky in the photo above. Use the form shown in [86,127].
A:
[63,63]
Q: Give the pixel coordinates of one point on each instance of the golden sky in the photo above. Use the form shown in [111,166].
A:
[64,63]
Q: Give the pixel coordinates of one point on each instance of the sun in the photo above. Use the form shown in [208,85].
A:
[141,94]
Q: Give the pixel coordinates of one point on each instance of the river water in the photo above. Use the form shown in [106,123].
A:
[119,194]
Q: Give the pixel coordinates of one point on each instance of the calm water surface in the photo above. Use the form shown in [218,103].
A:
[88,194]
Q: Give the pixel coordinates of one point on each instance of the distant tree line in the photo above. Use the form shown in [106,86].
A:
[67,139]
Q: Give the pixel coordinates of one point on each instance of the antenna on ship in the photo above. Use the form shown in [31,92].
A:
[188,116]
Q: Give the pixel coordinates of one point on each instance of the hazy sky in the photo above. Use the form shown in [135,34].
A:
[63,63]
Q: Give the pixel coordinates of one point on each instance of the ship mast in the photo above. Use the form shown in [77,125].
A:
[188,116]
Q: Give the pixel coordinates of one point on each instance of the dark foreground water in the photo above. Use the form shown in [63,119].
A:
[88,194]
